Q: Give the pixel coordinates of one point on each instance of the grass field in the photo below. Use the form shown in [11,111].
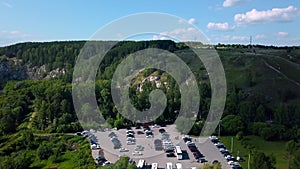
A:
[268,147]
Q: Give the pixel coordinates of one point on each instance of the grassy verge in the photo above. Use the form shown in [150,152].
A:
[257,143]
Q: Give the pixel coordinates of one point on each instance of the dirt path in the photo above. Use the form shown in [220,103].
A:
[279,72]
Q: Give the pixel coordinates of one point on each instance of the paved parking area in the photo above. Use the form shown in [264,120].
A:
[150,155]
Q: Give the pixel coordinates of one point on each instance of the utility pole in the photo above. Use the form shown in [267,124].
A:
[231,144]
[219,128]
[249,161]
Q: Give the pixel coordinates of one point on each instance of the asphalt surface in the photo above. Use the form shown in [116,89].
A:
[150,155]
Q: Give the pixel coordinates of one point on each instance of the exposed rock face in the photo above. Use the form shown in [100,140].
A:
[11,70]
[36,73]
[14,70]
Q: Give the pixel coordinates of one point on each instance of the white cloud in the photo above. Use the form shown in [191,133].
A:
[192,21]
[219,26]
[233,39]
[7,4]
[282,34]
[9,37]
[229,3]
[260,36]
[240,38]
[273,15]
[181,34]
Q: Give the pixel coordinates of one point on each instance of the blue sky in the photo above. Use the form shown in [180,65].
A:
[271,22]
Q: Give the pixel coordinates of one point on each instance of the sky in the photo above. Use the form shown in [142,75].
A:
[269,22]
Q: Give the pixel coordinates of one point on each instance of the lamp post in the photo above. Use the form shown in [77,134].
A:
[220,128]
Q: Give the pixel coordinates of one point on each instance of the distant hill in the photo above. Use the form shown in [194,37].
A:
[272,71]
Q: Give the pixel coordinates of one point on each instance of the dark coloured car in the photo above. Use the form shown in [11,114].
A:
[130,135]
[231,159]
[162,125]
[169,151]
[193,149]
[215,162]
[140,132]
[221,146]
[215,141]
[226,153]
[187,139]
[138,127]
[171,155]
[201,160]
[162,130]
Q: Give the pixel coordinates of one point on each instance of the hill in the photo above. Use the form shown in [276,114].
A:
[36,91]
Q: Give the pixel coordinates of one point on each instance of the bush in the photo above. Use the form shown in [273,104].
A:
[44,151]
[240,135]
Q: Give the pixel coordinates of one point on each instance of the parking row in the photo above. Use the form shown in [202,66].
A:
[231,160]
[92,138]
[199,157]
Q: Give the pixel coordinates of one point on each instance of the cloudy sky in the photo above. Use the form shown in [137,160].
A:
[270,22]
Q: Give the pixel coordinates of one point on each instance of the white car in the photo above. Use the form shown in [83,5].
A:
[185,136]
[230,162]
[189,143]
[130,142]
[93,146]
[137,153]
[130,139]
[106,163]
[221,149]
[213,137]
[219,144]
[155,126]
[123,150]
[149,136]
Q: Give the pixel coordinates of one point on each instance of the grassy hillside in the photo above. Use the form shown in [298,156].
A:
[263,84]
[270,148]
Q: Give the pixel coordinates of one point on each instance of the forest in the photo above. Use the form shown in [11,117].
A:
[259,101]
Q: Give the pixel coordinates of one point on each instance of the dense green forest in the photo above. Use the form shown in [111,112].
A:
[263,96]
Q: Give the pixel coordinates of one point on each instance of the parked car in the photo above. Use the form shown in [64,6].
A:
[201,160]
[238,158]
[129,135]
[140,132]
[123,150]
[215,162]
[162,130]
[139,149]
[155,126]
[130,132]
[137,153]
[171,155]
[130,142]
[130,139]
[106,163]
[169,151]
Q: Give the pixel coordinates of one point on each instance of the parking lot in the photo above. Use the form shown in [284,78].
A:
[144,148]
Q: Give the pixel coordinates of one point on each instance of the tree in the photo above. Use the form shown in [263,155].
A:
[261,161]
[296,160]
[183,125]
[44,151]
[232,124]
[290,148]
[211,166]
